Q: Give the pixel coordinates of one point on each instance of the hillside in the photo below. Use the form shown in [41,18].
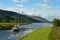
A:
[40,19]
[9,16]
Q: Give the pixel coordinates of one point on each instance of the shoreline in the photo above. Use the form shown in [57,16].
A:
[9,27]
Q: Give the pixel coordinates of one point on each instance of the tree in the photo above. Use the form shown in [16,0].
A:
[56,22]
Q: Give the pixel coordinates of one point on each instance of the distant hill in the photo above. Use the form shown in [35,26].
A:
[40,19]
[9,16]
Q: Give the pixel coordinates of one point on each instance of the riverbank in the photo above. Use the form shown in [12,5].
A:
[7,26]
[55,33]
[40,34]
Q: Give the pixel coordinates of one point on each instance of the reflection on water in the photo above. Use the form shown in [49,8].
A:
[8,34]
[25,29]
[36,25]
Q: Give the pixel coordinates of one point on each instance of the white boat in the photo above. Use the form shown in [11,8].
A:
[16,28]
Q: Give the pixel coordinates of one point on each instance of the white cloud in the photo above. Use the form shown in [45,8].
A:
[47,15]
[23,0]
[47,7]
[18,10]
[38,4]
[0,3]
[20,5]
[57,7]
[42,14]
[33,9]
[44,6]
[20,0]
[11,9]
[1,6]
[46,1]
[16,0]
[30,11]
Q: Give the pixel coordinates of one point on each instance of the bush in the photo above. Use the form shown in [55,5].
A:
[56,22]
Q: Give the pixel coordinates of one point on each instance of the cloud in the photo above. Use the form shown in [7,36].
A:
[47,7]
[42,14]
[16,0]
[20,0]
[1,6]
[44,6]
[23,0]
[18,10]
[57,7]
[46,1]
[21,10]
[20,5]
[11,9]
[30,11]
[0,3]
[48,15]
[38,4]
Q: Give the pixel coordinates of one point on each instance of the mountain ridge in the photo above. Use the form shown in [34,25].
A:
[16,17]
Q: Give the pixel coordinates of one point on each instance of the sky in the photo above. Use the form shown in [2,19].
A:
[48,9]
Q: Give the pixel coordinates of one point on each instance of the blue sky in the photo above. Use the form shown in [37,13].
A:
[48,9]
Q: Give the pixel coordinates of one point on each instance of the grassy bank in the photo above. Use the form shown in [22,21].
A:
[55,33]
[40,34]
[6,25]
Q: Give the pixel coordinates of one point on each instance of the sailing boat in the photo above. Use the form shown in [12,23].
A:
[16,28]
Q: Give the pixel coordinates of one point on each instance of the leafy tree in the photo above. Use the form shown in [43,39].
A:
[56,22]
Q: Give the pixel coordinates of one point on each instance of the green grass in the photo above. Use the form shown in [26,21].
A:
[7,25]
[55,33]
[4,26]
[39,34]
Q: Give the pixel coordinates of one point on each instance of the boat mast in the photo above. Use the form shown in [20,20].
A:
[17,18]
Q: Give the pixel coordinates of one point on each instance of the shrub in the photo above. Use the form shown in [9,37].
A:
[56,22]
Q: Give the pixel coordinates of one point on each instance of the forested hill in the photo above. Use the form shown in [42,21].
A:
[9,16]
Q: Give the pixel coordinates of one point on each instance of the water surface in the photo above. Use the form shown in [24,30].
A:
[25,29]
